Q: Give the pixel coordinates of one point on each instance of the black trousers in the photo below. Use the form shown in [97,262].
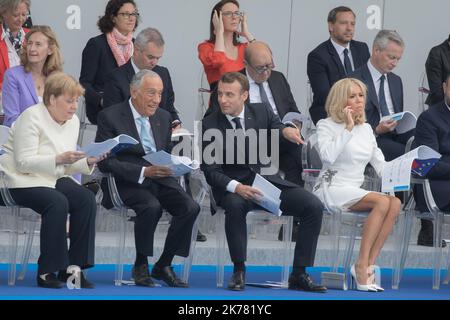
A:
[393,145]
[295,202]
[53,205]
[291,162]
[148,201]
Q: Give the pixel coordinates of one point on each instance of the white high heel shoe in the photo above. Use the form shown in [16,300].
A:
[376,274]
[360,287]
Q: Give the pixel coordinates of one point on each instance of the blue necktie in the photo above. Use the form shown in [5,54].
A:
[347,64]
[146,138]
[382,98]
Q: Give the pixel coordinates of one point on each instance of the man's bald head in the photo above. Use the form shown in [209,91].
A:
[259,61]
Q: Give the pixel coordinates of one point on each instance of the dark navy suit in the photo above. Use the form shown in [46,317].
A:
[325,68]
[433,130]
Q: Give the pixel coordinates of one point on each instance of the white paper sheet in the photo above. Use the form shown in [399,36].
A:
[271,195]
[396,175]
[406,121]
[114,145]
[178,165]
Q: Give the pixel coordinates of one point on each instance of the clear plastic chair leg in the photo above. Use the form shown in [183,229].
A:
[13,246]
[437,259]
[220,238]
[335,236]
[401,247]
[29,236]
[447,274]
[121,247]
[188,260]
[287,259]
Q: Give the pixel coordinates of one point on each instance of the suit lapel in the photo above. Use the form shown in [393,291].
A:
[334,55]
[355,55]
[394,91]
[250,119]
[372,92]
[273,85]
[129,70]
[30,86]
[130,125]
[445,113]
[156,130]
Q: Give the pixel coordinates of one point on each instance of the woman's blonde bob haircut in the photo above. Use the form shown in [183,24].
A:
[338,97]
[58,84]
[54,61]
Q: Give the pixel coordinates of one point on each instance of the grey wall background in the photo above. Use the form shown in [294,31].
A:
[292,28]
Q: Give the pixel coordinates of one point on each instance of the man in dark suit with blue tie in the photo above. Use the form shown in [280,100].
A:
[148,49]
[231,179]
[433,130]
[143,187]
[334,59]
[385,92]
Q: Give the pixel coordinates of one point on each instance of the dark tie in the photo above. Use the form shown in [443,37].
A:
[382,98]
[237,122]
[263,96]
[347,64]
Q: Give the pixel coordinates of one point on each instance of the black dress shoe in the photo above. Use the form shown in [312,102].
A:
[237,281]
[425,238]
[141,276]
[303,282]
[200,237]
[84,283]
[167,275]
[51,281]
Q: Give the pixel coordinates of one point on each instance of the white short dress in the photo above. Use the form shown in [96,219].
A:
[347,153]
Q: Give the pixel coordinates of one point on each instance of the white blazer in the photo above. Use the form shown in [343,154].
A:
[34,141]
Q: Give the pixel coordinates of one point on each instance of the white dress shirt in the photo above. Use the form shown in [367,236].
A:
[231,186]
[136,117]
[255,96]
[340,50]
[376,75]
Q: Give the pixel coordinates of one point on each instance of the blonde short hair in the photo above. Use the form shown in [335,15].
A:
[59,84]
[338,97]
[54,61]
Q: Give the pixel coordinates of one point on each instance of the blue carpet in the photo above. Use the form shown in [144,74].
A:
[415,285]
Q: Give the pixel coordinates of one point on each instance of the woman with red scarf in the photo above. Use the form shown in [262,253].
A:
[112,49]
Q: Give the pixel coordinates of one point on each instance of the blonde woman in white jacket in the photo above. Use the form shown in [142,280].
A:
[40,158]
[346,144]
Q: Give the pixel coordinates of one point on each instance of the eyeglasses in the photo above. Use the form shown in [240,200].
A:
[231,14]
[129,15]
[262,69]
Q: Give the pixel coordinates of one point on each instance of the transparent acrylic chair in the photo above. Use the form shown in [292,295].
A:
[204,92]
[18,216]
[423,92]
[122,211]
[312,165]
[254,218]
[436,216]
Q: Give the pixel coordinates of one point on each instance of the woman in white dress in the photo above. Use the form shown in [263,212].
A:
[346,144]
